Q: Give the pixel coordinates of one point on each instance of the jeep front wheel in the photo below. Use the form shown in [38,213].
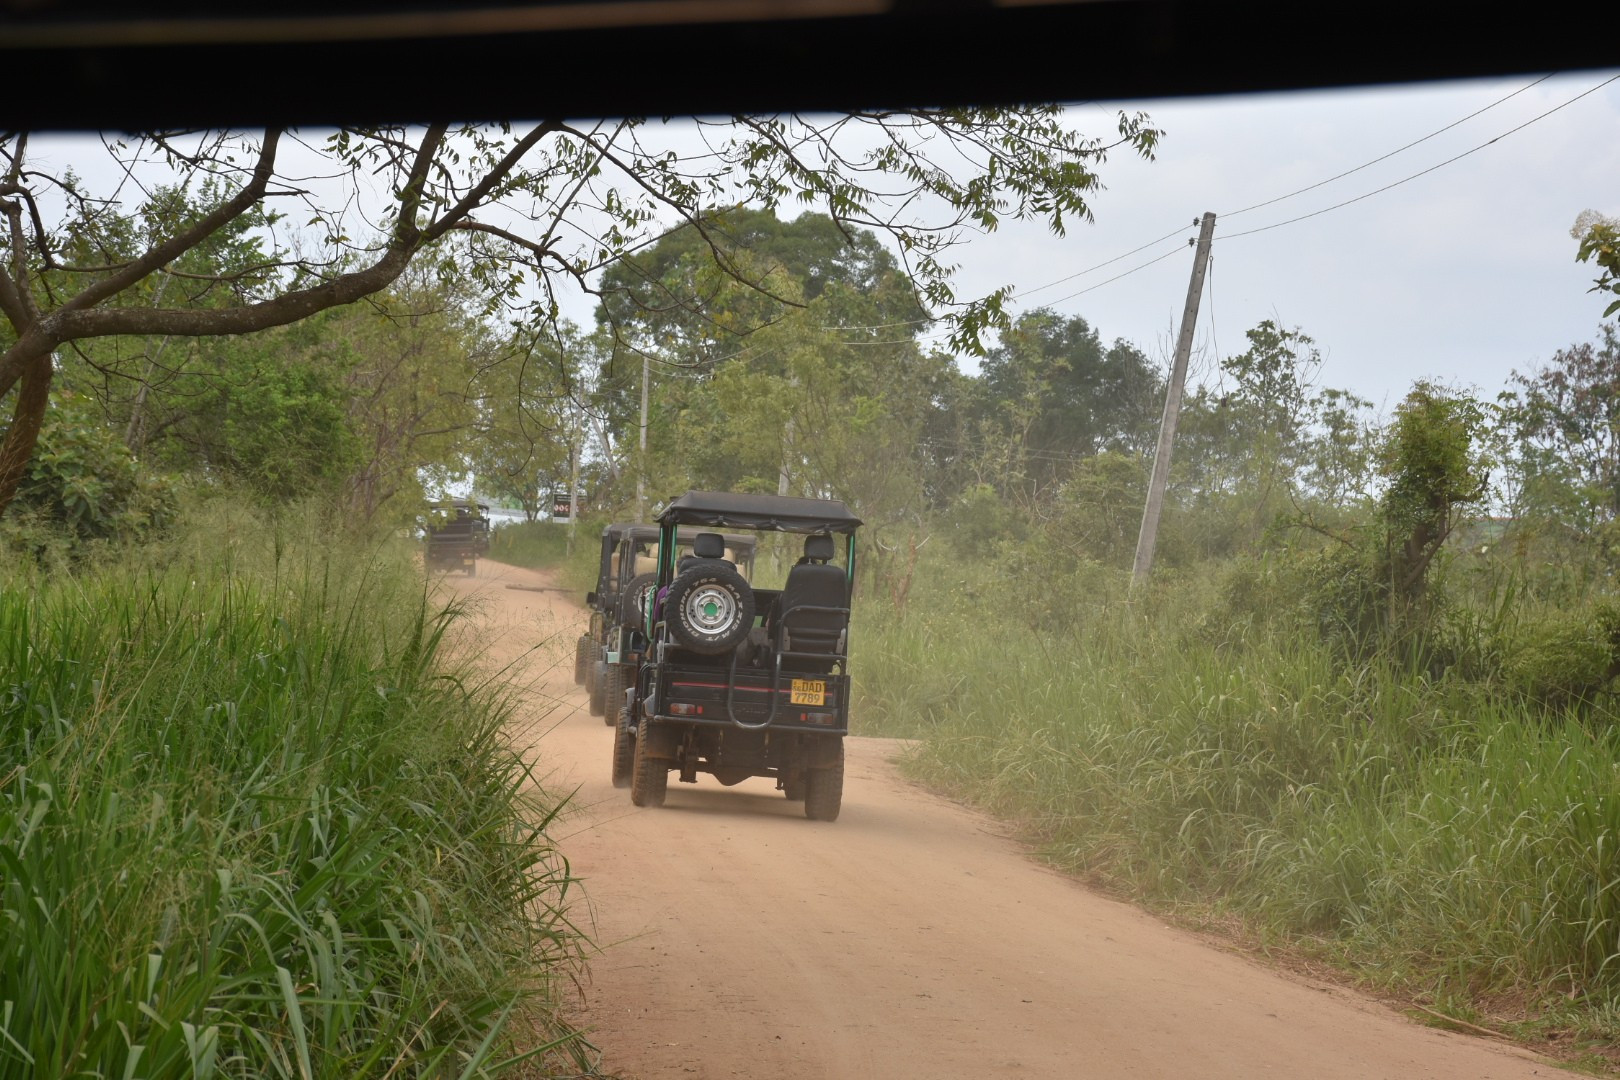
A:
[598,686]
[612,694]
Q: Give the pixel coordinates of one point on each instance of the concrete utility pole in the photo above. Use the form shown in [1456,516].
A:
[641,466]
[573,491]
[1172,409]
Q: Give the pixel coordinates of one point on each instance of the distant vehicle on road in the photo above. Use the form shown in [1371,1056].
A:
[457,533]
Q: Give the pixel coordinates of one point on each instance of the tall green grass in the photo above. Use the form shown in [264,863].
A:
[1429,833]
[253,823]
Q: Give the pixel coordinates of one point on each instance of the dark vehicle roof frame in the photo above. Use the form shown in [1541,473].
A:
[767,513]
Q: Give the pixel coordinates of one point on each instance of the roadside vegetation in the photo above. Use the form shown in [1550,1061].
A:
[1377,729]
[254,821]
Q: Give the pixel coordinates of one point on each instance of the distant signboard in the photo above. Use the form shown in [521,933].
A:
[562,505]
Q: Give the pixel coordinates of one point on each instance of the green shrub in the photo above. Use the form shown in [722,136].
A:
[83,485]
[1561,661]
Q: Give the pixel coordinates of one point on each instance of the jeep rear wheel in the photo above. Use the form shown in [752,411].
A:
[824,791]
[598,686]
[793,787]
[649,776]
[582,658]
[624,751]
[710,608]
[612,694]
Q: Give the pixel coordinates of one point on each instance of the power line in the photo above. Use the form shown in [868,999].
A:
[1116,277]
[1300,191]
[1392,153]
[1108,262]
[1431,168]
[880,326]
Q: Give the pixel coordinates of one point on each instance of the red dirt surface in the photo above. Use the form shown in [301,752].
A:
[910,939]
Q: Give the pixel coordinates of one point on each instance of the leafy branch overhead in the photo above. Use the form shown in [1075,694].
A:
[1600,244]
[192,234]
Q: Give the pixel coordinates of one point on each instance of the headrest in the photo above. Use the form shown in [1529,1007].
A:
[645,564]
[708,545]
[818,547]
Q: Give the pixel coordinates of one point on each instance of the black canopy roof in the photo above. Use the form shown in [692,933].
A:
[775,513]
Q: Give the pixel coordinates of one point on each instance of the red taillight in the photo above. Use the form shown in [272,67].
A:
[826,718]
[682,709]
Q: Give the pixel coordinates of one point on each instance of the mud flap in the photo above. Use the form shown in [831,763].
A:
[820,751]
[662,741]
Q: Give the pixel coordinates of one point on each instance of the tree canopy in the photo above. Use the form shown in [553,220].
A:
[205,233]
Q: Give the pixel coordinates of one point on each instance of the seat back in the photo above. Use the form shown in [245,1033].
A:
[811,585]
[706,547]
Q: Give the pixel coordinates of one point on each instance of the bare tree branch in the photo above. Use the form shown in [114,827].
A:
[171,249]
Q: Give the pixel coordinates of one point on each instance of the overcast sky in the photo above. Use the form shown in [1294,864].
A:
[1464,274]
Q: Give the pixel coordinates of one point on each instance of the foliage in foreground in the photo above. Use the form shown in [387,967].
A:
[250,827]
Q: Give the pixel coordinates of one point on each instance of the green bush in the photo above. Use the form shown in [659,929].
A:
[82,486]
[1562,661]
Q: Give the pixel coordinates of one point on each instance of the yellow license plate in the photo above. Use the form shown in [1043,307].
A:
[809,692]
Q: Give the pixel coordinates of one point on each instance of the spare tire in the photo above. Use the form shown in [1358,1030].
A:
[633,602]
[710,608]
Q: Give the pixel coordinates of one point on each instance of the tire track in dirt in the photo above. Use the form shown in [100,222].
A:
[910,938]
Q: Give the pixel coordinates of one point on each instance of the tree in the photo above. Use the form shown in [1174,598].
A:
[532,418]
[1270,397]
[1432,461]
[541,205]
[1564,421]
[1054,394]
[1600,244]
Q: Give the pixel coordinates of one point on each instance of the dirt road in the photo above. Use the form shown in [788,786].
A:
[910,939]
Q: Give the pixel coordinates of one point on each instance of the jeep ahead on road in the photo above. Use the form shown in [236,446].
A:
[455,535]
[605,657]
[738,681]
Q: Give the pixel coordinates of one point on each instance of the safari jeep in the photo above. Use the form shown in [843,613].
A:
[602,602]
[456,534]
[739,681]
[606,656]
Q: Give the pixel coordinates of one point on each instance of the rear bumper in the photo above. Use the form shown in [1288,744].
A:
[706,697]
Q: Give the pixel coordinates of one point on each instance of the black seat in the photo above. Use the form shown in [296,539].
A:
[706,547]
[813,611]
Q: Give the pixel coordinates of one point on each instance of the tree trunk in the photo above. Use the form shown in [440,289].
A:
[26,419]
